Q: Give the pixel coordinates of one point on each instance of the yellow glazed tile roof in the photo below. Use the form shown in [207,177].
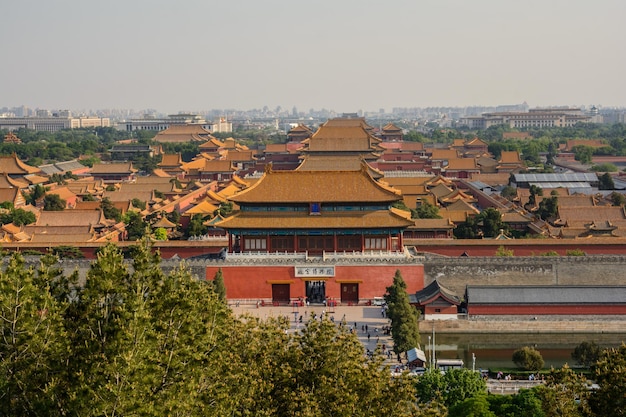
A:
[317,186]
[302,220]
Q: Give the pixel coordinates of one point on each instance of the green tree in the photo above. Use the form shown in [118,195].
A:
[196,226]
[90,161]
[404,317]
[218,285]
[429,386]
[36,194]
[534,192]
[330,364]
[143,342]
[606,168]
[18,217]
[606,182]
[548,208]
[617,199]
[486,224]
[141,205]
[583,154]
[400,205]
[509,192]
[224,209]
[610,374]
[492,223]
[33,347]
[587,353]
[160,233]
[528,359]
[469,229]
[318,371]
[68,252]
[472,407]
[552,152]
[565,393]
[109,210]
[135,225]
[53,202]
[524,404]
[462,384]
[427,211]
[452,388]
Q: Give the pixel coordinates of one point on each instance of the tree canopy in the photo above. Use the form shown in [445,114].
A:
[53,202]
[528,358]
[404,317]
[132,340]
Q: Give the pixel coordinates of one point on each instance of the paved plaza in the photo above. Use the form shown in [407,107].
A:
[364,317]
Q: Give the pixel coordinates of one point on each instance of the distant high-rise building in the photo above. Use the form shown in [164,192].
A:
[46,122]
[534,118]
[149,122]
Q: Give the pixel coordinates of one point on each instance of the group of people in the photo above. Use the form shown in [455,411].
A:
[500,375]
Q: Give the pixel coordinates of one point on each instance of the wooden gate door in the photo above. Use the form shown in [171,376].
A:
[350,293]
[280,293]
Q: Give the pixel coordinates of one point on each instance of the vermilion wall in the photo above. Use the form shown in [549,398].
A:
[568,309]
[255,282]
[444,310]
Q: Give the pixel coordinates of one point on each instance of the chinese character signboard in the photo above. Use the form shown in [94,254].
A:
[315,271]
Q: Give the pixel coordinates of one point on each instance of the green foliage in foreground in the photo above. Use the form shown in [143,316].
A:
[134,341]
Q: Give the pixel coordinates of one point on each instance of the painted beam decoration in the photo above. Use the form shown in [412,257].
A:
[315,271]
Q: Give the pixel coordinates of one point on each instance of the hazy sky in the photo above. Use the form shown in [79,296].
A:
[343,55]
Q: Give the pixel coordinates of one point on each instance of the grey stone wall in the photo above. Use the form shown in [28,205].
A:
[457,273]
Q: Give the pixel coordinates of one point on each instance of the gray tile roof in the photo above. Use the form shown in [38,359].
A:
[50,169]
[564,177]
[432,290]
[564,184]
[477,294]
[69,165]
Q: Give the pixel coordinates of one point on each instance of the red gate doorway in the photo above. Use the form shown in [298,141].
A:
[349,293]
[280,293]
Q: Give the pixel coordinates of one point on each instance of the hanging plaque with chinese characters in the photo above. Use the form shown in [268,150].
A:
[315,271]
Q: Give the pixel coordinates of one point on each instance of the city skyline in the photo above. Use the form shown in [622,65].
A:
[346,56]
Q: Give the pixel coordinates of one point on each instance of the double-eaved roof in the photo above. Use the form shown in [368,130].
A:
[317,186]
[344,136]
[183,134]
[304,221]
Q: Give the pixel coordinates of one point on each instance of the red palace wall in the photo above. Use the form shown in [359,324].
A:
[569,309]
[255,282]
[443,310]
